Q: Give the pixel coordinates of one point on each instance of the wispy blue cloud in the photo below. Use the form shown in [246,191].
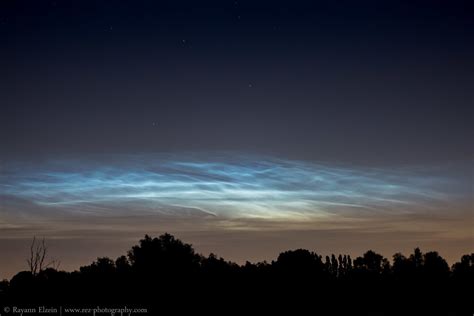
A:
[252,187]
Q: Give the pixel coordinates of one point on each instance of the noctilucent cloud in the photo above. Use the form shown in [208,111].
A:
[225,186]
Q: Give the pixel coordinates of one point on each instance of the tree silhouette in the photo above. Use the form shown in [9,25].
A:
[165,273]
[299,262]
[416,259]
[102,266]
[123,265]
[164,257]
[435,266]
[370,262]
[465,268]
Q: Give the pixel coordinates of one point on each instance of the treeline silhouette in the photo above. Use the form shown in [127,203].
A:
[165,274]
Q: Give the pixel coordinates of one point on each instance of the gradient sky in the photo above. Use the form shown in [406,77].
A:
[244,127]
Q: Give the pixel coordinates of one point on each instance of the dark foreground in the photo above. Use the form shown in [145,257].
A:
[164,276]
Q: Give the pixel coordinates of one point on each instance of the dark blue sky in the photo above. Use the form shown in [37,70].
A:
[364,82]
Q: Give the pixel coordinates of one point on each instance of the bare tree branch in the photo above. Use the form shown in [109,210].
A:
[38,254]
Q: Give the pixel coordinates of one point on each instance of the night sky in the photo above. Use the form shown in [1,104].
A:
[243,127]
